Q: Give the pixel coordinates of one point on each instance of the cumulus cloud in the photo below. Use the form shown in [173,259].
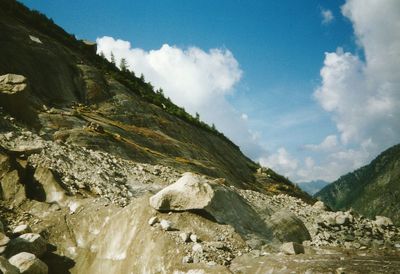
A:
[328,144]
[361,92]
[327,16]
[282,160]
[363,95]
[197,80]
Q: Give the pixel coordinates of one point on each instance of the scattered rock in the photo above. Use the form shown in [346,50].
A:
[4,239]
[51,187]
[319,205]
[28,263]
[383,221]
[341,218]
[6,267]
[197,248]
[194,238]
[185,236]
[218,245]
[29,242]
[187,260]
[292,248]
[166,225]
[153,220]
[22,229]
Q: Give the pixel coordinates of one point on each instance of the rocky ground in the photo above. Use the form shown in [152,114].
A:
[68,209]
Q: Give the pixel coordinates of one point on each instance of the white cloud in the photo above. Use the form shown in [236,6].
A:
[327,16]
[364,96]
[282,161]
[328,144]
[193,78]
[361,93]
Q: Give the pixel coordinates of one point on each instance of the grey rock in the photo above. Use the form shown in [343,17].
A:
[292,248]
[383,221]
[6,267]
[4,239]
[218,245]
[194,192]
[185,237]
[341,218]
[21,229]
[28,263]
[166,225]
[153,220]
[29,242]
[197,248]
[194,238]
[319,205]
[52,189]
[289,228]
[187,260]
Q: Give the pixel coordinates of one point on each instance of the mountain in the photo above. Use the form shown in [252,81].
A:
[370,190]
[100,173]
[70,86]
[313,186]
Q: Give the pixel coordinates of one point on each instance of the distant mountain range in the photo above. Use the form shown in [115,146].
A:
[370,190]
[313,186]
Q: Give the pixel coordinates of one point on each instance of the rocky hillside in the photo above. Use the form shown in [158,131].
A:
[69,94]
[371,190]
[99,173]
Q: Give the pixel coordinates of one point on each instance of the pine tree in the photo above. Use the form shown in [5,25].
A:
[123,65]
[197,116]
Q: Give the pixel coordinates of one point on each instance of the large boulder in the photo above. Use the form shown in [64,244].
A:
[14,97]
[28,263]
[287,227]
[51,187]
[12,83]
[193,192]
[29,242]
[6,267]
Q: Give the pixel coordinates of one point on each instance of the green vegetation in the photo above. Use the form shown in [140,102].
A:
[370,190]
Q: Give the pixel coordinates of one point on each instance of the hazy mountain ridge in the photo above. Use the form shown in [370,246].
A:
[370,190]
[313,187]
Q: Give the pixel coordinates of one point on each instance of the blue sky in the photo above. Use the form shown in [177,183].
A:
[279,47]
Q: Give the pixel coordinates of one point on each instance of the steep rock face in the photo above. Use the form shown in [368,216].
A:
[371,190]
